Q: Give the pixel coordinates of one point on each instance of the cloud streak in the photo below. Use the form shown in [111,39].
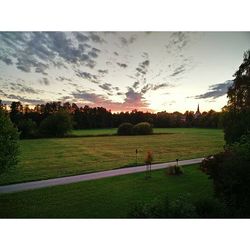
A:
[216,90]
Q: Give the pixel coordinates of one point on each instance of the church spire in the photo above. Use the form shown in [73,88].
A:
[198,109]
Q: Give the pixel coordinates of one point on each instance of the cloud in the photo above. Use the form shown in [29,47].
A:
[62,78]
[87,75]
[96,38]
[81,37]
[178,40]
[180,69]
[6,59]
[38,51]
[44,81]
[143,68]
[136,84]
[159,86]
[20,98]
[216,90]
[127,41]
[122,65]
[133,100]
[106,86]
[103,71]
[18,87]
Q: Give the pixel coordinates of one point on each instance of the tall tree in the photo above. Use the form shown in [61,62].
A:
[237,115]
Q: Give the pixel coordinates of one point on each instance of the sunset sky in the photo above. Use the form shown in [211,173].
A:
[121,71]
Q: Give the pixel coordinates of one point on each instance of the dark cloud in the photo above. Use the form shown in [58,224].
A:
[216,90]
[44,81]
[127,41]
[180,69]
[80,37]
[6,59]
[106,86]
[20,98]
[94,52]
[145,89]
[142,68]
[18,87]
[96,38]
[159,86]
[136,85]
[62,78]
[103,71]
[178,40]
[133,100]
[122,65]
[37,51]
[87,75]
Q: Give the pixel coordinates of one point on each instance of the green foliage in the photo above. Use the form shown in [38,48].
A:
[28,129]
[210,208]
[237,113]
[142,128]
[180,207]
[8,143]
[56,125]
[125,128]
[230,172]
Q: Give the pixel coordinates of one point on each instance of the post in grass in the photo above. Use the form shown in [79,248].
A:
[148,161]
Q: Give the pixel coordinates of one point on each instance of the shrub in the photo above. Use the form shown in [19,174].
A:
[210,208]
[230,172]
[143,128]
[181,207]
[8,143]
[56,125]
[175,170]
[153,209]
[27,128]
[125,128]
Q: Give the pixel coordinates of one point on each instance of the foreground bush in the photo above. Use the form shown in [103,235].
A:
[180,207]
[230,171]
[125,128]
[56,125]
[8,143]
[142,128]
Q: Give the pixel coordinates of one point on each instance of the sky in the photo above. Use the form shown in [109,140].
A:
[121,71]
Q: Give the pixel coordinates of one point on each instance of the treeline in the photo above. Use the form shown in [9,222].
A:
[98,117]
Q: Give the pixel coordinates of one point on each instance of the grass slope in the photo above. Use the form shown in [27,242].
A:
[48,158]
[105,198]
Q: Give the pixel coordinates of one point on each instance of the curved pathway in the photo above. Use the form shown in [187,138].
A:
[85,177]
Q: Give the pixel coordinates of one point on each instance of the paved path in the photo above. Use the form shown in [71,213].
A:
[85,177]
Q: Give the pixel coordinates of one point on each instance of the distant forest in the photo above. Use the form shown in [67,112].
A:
[98,117]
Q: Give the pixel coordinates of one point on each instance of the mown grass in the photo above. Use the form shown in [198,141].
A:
[106,198]
[48,158]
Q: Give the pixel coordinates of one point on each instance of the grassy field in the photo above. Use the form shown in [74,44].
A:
[48,158]
[106,198]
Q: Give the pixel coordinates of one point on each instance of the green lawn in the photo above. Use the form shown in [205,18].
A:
[48,158]
[106,198]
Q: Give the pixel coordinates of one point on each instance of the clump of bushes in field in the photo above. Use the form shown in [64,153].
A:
[28,129]
[142,128]
[125,128]
[180,207]
[56,125]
